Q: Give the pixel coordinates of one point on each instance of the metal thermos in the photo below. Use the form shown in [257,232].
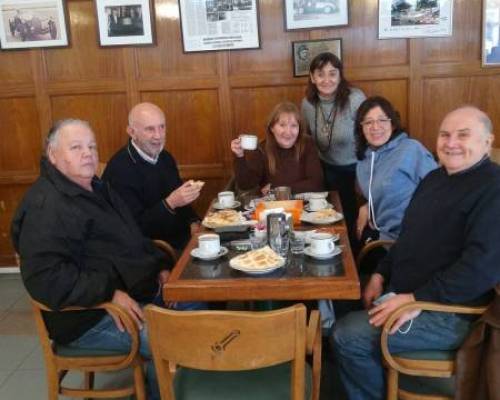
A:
[277,233]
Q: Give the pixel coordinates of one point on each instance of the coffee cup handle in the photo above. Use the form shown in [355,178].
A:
[323,203]
[331,246]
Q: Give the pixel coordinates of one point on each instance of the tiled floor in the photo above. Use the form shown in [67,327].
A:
[22,372]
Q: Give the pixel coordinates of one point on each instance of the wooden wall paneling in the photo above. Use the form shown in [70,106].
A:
[252,106]
[84,59]
[9,200]
[14,68]
[21,146]
[396,91]
[464,45]
[167,57]
[485,93]
[107,114]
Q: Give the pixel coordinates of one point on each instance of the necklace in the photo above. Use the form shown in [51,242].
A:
[327,126]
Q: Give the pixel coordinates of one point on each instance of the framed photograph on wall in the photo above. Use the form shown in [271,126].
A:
[311,14]
[26,24]
[212,25]
[414,18]
[304,51]
[125,22]
[491,33]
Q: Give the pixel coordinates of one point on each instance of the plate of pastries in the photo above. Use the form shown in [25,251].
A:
[327,216]
[260,261]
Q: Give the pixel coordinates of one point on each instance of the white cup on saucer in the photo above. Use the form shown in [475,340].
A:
[322,243]
[209,244]
[248,141]
[226,199]
[316,204]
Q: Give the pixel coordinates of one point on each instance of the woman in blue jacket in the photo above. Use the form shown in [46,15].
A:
[390,167]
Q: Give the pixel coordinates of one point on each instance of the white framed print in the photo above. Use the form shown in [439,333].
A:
[414,18]
[125,22]
[491,33]
[211,25]
[312,14]
[26,24]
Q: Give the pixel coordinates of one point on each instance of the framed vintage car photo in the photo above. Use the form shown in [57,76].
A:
[305,50]
[26,24]
[311,14]
[491,33]
[415,18]
[125,22]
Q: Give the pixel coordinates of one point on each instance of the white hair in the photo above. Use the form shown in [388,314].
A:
[55,130]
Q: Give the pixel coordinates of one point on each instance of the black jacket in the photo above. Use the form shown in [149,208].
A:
[144,186]
[77,247]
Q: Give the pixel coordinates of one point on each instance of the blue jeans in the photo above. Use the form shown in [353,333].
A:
[356,345]
[105,335]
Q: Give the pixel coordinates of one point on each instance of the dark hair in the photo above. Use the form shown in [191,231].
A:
[344,88]
[367,105]
[271,145]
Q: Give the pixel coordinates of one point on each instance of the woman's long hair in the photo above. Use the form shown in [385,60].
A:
[343,89]
[367,105]
[271,146]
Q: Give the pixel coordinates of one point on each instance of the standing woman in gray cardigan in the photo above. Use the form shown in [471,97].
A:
[330,108]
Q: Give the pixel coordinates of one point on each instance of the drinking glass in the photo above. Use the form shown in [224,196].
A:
[297,243]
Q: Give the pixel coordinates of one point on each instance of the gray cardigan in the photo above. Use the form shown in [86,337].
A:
[342,150]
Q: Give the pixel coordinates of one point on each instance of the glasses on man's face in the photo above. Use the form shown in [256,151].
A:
[380,122]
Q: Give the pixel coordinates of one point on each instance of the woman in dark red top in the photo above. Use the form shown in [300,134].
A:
[287,157]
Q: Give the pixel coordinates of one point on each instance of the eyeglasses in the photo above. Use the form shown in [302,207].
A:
[372,122]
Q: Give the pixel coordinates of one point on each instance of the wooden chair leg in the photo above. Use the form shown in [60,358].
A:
[140,390]
[53,382]
[88,381]
[392,384]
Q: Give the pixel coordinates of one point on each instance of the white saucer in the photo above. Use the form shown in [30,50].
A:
[308,252]
[196,253]
[328,207]
[218,206]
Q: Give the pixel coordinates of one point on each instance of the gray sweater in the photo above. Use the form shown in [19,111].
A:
[342,149]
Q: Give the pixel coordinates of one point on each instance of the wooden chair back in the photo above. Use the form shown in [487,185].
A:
[227,341]
[412,364]
[58,365]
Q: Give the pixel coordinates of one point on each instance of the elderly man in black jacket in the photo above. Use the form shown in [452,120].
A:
[80,246]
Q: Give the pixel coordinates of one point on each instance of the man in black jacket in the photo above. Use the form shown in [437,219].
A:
[80,246]
[146,177]
[447,252]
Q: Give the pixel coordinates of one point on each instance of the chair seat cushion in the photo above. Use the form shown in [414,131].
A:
[434,355]
[70,351]
[271,383]
[427,386]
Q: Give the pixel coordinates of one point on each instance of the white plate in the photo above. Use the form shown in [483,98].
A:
[312,219]
[308,252]
[329,206]
[219,206]
[196,253]
[252,271]
[308,195]
[244,223]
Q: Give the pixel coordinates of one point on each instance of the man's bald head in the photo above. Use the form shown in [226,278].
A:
[146,127]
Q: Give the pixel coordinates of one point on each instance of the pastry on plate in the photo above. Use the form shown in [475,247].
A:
[260,259]
[223,218]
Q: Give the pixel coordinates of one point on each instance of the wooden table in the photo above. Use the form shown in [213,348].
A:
[303,278]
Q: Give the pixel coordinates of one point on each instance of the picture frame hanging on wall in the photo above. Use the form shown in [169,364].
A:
[213,25]
[125,22]
[312,14]
[414,18]
[304,51]
[491,33]
[26,24]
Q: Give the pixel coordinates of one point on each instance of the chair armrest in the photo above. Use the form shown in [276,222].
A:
[370,246]
[424,306]
[167,249]
[111,308]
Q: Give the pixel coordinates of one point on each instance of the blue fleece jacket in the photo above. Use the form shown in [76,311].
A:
[398,167]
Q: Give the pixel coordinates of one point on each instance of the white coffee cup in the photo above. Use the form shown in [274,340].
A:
[209,244]
[316,204]
[248,142]
[322,243]
[226,199]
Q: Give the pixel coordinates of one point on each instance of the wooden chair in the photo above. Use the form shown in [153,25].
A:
[61,359]
[425,363]
[370,246]
[235,354]
[167,249]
